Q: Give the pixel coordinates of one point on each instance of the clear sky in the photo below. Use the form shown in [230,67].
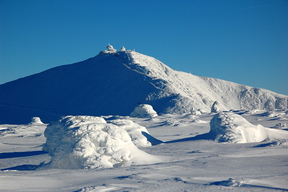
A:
[243,41]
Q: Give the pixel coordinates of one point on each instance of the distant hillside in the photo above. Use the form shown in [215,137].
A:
[114,82]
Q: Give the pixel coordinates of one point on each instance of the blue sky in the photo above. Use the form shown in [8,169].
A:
[243,41]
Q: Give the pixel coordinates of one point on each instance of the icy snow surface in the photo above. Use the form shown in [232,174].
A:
[114,82]
[192,161]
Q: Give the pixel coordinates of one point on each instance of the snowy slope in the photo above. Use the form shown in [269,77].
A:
[194,92]
[114,82]
[101,85]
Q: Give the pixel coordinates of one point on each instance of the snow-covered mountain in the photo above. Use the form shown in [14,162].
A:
[114,82]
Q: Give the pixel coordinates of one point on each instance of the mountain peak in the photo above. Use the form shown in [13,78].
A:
[114,82]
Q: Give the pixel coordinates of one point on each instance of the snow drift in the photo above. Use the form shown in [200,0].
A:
[144,110]
[113,82]
[76,142]
[233,128]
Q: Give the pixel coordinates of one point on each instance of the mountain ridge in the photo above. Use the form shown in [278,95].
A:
[114,82]
[213,84]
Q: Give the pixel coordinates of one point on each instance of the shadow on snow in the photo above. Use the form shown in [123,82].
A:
[20,154]
[25,167]
[205,136]
[151,139]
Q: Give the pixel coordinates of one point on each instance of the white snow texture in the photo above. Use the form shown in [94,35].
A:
[233,128]
[143,111]
[76,142]
[35,121]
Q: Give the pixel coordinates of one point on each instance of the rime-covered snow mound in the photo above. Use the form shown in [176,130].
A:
[134,130]
[76,142]
[230,127]
[143,111]
[35,121]
[215,107]
[233,128]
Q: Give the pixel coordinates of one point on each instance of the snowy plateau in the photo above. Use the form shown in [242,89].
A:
[124,121]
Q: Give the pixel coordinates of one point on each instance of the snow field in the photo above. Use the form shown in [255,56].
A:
[192,161]
[33,129]
[77,142]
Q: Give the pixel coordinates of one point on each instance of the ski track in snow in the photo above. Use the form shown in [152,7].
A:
[192,161]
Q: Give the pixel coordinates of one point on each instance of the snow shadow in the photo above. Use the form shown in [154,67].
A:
[151,139]
[20,154]
[274,143]
[205,136]
[27,167]
[270,144]
[241,183]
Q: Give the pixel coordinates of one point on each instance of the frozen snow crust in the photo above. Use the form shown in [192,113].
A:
[77,142]
[233,128]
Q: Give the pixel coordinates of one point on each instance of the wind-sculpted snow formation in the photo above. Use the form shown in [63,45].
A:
[76,142]
[113,82]
[143,110]
[35,121]
[233,128]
